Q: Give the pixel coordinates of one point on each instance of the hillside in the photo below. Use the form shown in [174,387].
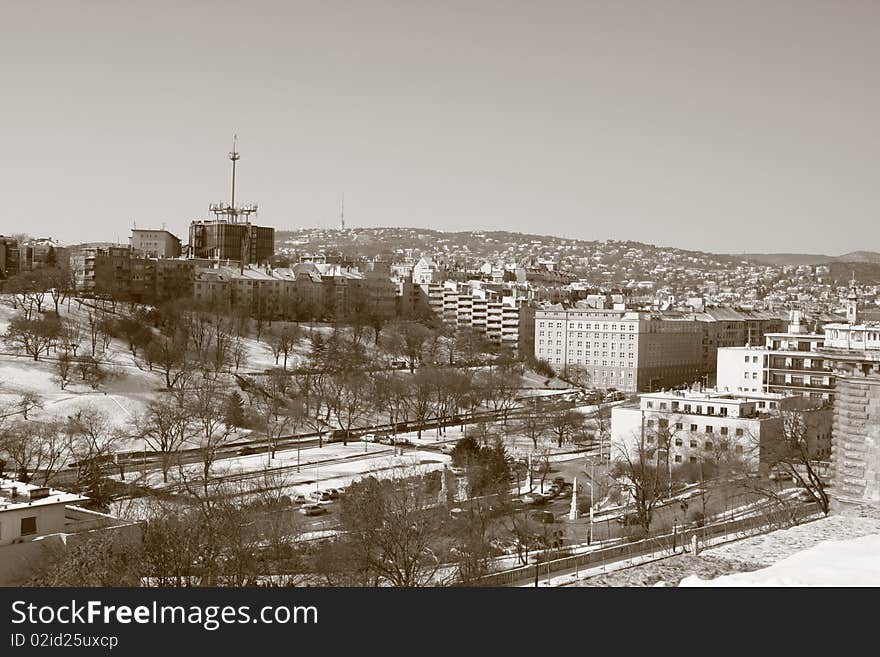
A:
[782,259]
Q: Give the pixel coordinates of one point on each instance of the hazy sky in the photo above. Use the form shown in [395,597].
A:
[723,126]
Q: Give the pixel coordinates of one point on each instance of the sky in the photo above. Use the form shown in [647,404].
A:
[748,126]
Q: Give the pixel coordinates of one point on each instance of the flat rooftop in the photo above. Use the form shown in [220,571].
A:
[18,495]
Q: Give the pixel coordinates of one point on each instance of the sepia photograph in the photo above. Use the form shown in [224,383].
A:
[386,294]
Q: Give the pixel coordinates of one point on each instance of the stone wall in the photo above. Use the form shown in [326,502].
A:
[855,451]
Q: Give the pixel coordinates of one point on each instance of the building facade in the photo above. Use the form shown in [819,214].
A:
[709,425]
[629,350]
[853,351]
[220,240]
[789,363]
[155,243]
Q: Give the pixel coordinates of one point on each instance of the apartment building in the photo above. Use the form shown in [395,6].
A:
[155,243]
[709,425]
[10,257]
[619,348]
[304,291]
[120,273]
[493,311]
[789,362]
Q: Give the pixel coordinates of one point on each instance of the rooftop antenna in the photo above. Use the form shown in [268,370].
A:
[230,211]
[234,156]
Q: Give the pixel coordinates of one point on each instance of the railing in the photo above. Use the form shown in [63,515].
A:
[656,547]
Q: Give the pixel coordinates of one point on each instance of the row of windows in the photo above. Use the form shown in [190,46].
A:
[589,327]
[707,445]
[693,428]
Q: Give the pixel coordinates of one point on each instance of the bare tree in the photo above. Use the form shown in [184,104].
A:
[206,406]
[93,441]
[392,530]
[165,427]
[564,425]
[33,336]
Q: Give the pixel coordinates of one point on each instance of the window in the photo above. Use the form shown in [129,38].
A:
[678,458]
[693,459]
[723,431]
[739,432]
[29,525]
[651,440]
[709,428]
[650,423]
[693,427]
[662,406]
[708,444]
[694,444]
[650,404]
[678,442]
[679,426]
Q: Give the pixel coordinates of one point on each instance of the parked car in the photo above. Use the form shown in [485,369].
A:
[447,449]
[320,495]
[299,499]
[546,517]
[458,471]
[369,438]
[457,512]
[312,510]
[248,450]
[559,481]
[533,498]
[334,493]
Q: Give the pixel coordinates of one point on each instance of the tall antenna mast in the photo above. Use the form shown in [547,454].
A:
[230,212]
[234,156]
[342,213]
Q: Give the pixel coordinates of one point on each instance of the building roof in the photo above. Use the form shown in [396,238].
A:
[16,495]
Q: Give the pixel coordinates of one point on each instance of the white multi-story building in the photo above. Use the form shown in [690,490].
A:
[625,349]
[705,424]
[790,363]
[470,304]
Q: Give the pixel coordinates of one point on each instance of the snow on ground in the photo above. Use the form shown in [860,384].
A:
[322,465]
[851,562]
[769,548]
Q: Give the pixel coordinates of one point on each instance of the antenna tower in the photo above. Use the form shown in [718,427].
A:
[230,211]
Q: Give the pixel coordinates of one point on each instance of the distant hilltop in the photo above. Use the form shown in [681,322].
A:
[778,259]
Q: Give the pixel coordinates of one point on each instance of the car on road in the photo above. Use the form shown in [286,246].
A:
[248,450]
[369,438]
[312,510]
[334,493]
[546,517]
[320,495]
[533,498]
[298,499]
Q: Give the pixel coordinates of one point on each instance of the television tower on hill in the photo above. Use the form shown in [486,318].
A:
[342,214]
